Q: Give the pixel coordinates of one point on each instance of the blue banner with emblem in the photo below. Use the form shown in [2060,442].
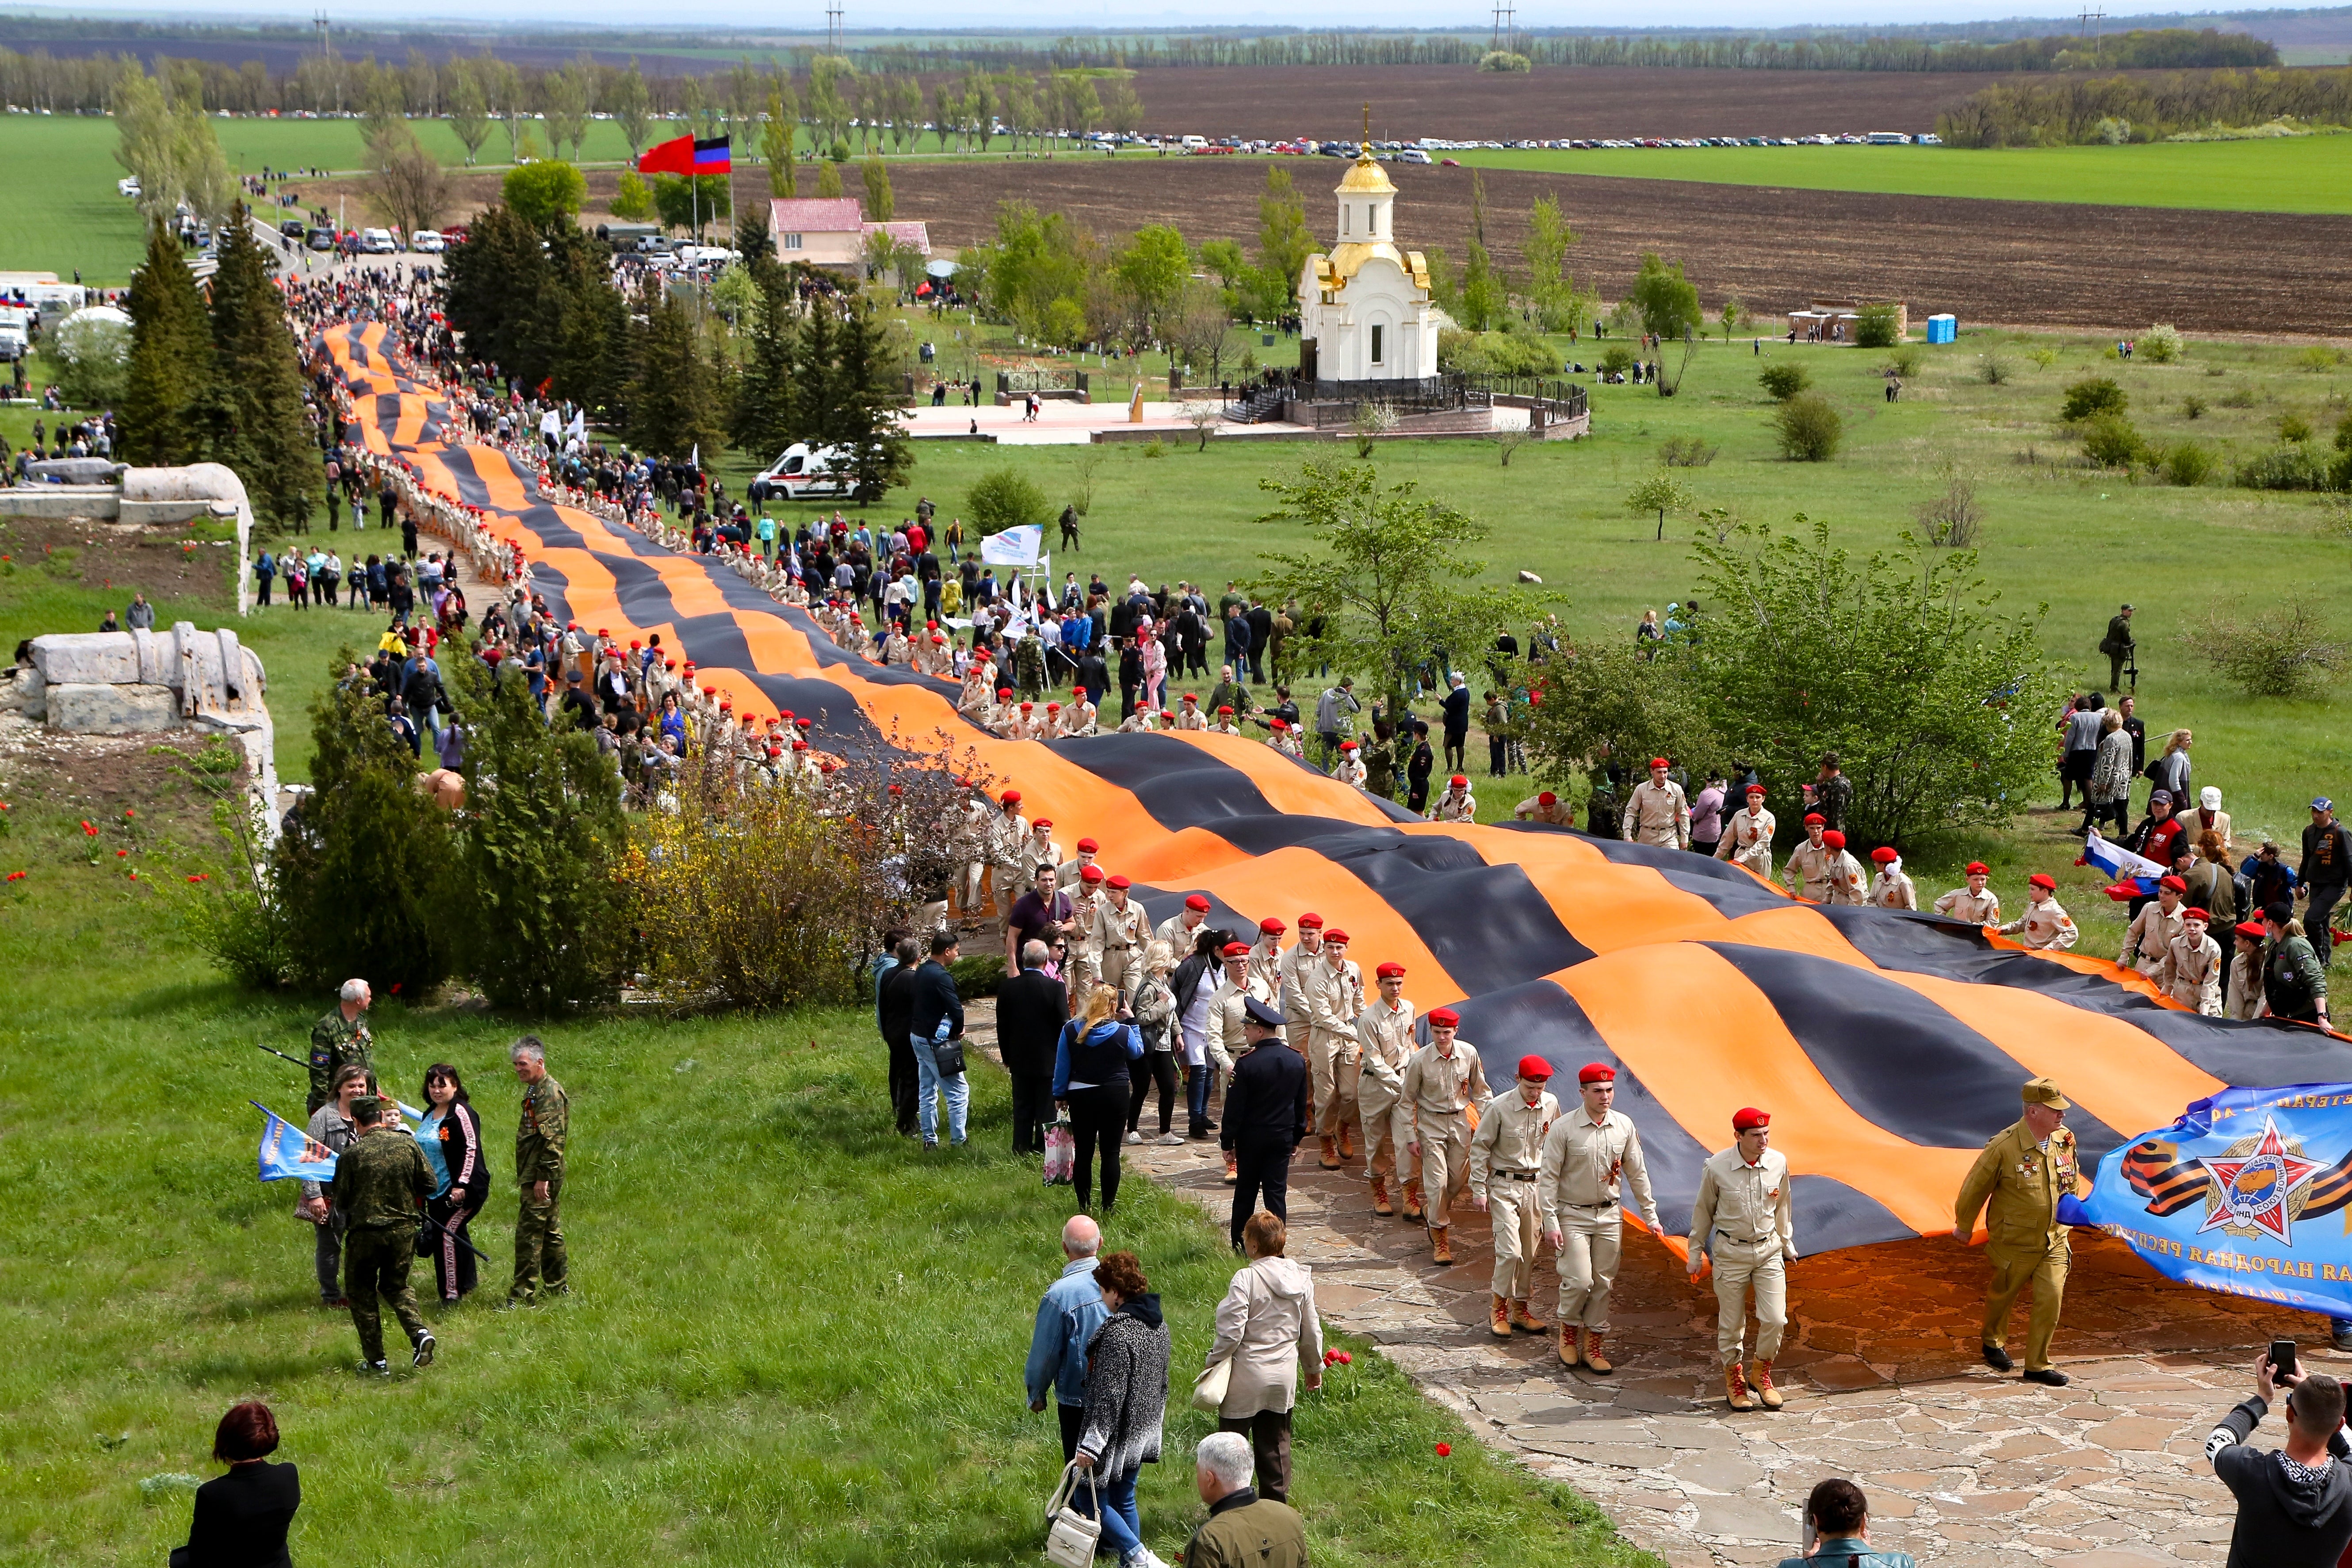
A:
[2250,1192]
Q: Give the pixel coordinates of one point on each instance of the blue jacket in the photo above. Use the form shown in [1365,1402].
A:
[1102,1034]
[1068,1317]
[1850,1551]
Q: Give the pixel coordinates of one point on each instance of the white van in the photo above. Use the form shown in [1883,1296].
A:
[56,301]
[806,470]
[379,242]
[1192,144]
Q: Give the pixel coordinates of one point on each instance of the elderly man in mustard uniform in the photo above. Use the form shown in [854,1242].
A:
[2023,1173]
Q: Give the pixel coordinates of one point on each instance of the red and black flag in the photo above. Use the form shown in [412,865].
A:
[687,155]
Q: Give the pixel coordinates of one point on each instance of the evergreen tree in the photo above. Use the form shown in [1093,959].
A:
[759,420]
[254,403]
[673,398]
[493,279]
[171,358]
[864,403]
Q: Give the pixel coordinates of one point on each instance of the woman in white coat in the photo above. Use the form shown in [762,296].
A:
[1267,1329]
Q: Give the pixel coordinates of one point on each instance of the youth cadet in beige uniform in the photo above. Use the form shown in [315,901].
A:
[1182,930]
[1008,847]
[1744,1218]
[1442,1085]
[1118,940]
[1545,808]
[1892,887]
[1506,1158]
[1747,835]
[1974,903]
[1809,864]
[2153,929]
[1304,955]
[1846,883]
[2193,965]
[1385,1034]
[1333,1055]
[1656,813]
[1086,904]
[2044,925]
[1589,1156]
[1267,959]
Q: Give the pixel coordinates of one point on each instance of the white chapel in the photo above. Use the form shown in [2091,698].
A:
[1364,310]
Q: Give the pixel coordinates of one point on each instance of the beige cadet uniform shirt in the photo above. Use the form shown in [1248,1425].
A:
[2191,974]
[1332,1005]
[1116,930]
[2151,933]
[1657,814]
[1179,937]
[1559,813]
[1510,1137]
[1436,1085]
[1976,909]
[1747,840]
[1892,889]
[1846,883]
[1811,867]
[1385,1035]
[1351,770]
[1302,974]
[1586,1166]
[2043,925]
[1747,1203]
[1267,966]
[1455,805]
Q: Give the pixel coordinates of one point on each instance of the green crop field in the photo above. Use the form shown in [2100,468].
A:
[2287,174]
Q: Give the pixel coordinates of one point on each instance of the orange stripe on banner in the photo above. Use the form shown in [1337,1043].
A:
[410,430]
[503,486]
[1605,905]
[1706,1042]
[1288,787]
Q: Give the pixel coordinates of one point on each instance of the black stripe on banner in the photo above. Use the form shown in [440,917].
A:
[1898,1059]
[1541,1017]
[2263,1054]
[1487,924]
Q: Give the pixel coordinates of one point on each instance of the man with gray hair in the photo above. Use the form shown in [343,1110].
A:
[1068,1317]
[542,1268]
[340,1039]
[1243,1530]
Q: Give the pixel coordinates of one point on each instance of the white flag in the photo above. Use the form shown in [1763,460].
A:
[1013,546]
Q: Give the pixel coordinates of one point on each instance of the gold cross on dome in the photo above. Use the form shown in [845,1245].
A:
[1368,123]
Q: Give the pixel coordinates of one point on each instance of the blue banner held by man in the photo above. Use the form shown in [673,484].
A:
[289,1154]
[2250,1193]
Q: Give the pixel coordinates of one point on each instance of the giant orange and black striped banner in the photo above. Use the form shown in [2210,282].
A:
[1889,1046]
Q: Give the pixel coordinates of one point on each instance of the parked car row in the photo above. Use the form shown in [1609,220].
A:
[368,241]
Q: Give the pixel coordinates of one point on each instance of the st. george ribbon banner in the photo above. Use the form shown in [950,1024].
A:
[2250,1192]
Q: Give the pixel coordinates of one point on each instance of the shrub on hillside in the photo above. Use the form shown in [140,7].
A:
[1506,61]
[2110,441]
[2159,345]
[1497,354]
[2266,649]
[1005,498]
[93,357]
[1809,428]
[1783,381]
[2294,427]
[2187,464]
[2290,465]
[1908,358]
[2090,396]
[1877,327]
[1615,360]
[1685,452]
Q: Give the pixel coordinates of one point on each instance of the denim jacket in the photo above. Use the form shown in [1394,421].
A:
[1068,1317]
[1850,1551]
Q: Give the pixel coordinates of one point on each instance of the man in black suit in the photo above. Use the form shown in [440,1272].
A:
[1031,1009]
[1456,708]
[894,1012]
[1266,1112]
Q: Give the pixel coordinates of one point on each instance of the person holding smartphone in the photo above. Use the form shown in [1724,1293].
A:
[1837,1531]
[2295,1504]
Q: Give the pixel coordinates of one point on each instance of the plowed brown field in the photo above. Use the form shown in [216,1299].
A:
[2025,263]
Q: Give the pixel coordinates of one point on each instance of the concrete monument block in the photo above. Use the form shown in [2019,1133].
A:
[87,659]
[127,709]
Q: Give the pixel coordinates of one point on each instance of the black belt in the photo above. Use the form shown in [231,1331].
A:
[1728,1236]
[1517,1176]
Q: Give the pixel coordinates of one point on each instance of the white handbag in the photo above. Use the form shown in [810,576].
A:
[1071,1536]
[1210,1388]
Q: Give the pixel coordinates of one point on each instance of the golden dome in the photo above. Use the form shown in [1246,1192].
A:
[1367,178]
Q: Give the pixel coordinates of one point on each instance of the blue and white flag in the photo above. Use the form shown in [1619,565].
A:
[2120,864]
[1013,546]
[289,1154]
[2250,1192]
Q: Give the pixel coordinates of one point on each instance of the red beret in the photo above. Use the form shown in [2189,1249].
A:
[1535,1067]
[1757,789]
[775,751]
[1271,926]
[800,745]
[1349,746]
[1119,881]
[2042,880]
[1834,838]
[1748,1118]
[1280,725]
[1596,1072]
[2193,913]
[1885,854]
[1310,922]
[1189,697]
[1336,934]
[1660,762]
[1004,694]
[1978,868]
[1546,798]
[1053,707]
[1236,950]
[1458,782]
[1013,797]
[1445,1018]
[1196,901]
[1386,971]
[1041,824]
[2175,883]
[1090,873]
[2251,930]
[1025,707]
[1225,708]
[1088,846]
[1813,817]
[805,723]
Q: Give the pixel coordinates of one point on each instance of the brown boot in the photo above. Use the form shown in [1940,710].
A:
[1347,1140]
[1522,1318]
[1412,1200]
[1381,1204]
[1499,1312]
[1330,1154]
[1232,1170]
[1735,1389]
[1442,1253]
[1570,1351]
[1759,1373]
[1592,1356]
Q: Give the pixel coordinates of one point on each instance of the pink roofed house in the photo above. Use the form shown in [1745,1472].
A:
[831,232]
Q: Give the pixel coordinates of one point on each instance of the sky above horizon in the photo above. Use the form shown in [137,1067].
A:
[964,14]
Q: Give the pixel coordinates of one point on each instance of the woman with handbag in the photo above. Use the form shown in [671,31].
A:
[1126,1401]
[1091,1082]
[1267,1333]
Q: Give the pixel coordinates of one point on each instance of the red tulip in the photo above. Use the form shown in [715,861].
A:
[1347,1359]
[1446,1450]
[128,812]
[86,827]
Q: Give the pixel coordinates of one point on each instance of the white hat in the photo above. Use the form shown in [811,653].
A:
[2210,798]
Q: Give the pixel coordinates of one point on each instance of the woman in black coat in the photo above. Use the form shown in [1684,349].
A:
[452,1137]
[242,1518]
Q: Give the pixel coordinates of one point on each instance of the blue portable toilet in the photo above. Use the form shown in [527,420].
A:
[1943,329]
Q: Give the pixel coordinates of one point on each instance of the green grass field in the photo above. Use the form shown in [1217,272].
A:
[793,1339]
[2288,174]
